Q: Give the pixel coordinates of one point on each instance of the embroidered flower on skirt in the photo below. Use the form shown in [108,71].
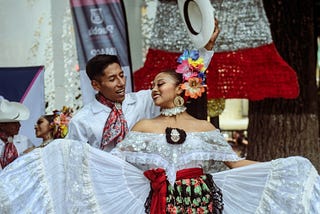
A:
[194,195]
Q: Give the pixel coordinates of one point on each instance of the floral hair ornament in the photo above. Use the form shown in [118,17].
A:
[193,72]
[60,122]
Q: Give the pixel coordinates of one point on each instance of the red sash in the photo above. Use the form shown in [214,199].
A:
[158,180]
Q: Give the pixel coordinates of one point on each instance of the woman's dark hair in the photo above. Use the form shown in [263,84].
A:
[98,63]
[49,117]
[195,107]
[177,76]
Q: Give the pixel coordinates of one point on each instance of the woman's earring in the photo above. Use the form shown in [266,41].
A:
[178,101]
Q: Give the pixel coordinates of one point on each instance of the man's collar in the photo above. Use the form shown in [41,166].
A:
[98,107]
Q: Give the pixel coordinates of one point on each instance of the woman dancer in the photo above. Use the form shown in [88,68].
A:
[52,126]
[178,154]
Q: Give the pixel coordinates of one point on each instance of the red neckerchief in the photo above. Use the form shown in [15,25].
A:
[115,127]
[10,152]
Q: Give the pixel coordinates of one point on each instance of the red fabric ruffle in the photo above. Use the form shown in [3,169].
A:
[253,73]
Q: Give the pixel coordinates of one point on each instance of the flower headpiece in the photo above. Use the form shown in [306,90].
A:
[193,72]
[60,122]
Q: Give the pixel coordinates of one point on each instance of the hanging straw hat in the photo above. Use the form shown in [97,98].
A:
[198,17]
[12,111]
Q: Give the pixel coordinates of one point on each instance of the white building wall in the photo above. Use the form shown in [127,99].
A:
[40,32]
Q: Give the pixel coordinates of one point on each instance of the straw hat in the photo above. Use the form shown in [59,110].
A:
[198,17]
[12,111]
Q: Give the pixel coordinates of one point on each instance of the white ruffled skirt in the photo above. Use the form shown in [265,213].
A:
[72,177]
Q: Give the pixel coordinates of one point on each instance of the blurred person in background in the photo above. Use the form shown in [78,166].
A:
[11,144]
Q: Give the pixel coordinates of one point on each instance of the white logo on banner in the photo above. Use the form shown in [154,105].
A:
[96,16]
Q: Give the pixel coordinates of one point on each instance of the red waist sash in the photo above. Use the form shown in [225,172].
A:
[158,181]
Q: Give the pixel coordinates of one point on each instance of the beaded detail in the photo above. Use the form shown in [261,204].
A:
[172,111]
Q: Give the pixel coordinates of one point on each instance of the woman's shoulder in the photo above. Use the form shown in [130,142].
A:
[144,125]
[199,125]
[156,125]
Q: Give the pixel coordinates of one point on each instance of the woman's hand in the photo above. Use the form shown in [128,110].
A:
[209,46]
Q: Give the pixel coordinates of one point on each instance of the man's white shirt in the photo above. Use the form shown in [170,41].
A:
[87,125]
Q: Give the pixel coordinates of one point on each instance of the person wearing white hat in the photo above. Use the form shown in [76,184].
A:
[11,144]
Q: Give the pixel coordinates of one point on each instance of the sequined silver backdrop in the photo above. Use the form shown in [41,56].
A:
[243,25]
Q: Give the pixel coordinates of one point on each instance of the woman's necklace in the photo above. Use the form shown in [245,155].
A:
[172,111]
[46,142]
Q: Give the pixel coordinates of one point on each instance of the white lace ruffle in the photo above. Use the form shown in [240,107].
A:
[290,186]
[80,196]
[53,179]
[72,177]
[286,185]
[149,150]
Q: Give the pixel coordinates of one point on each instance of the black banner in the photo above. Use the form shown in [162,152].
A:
[101,28]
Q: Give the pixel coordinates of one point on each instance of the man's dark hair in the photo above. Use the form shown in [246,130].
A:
[98,63]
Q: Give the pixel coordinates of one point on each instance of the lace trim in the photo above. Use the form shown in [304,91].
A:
[81,193]
[292,179]
[196,143]
[93,202]
[196,158]
[152,150]
[44,182]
